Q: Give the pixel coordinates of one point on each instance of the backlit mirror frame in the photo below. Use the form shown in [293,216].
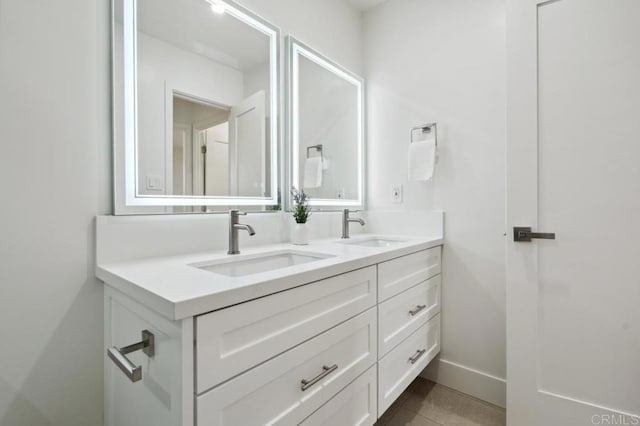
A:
[296,49]
[127,200]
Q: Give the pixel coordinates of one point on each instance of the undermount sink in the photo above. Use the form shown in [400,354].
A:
[264,262]
[374,242]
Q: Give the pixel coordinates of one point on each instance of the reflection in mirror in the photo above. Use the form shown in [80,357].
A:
[200,148]
[207,158]
[200,95]
[326,129]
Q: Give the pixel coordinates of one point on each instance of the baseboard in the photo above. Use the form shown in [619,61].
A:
[467,380]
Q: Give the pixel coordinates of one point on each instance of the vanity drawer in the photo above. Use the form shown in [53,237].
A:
[355,405]
[397,275]
[404,313]
[233,340]
[397,370]
[272,392]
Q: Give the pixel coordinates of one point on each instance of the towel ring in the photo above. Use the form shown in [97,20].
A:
[318,148]
[425,128]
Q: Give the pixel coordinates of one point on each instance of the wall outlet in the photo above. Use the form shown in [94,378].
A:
[396,194]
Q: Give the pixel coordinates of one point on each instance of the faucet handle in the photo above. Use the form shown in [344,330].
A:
[237,213]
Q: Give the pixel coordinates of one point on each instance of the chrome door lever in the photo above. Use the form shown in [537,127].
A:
[525,235]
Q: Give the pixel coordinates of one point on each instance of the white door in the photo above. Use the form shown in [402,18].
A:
[573,169]
[247,145]
[211,157]
[180,175]
[217,160]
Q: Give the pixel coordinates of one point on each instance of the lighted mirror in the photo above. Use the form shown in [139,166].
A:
[196,105]
[326,129]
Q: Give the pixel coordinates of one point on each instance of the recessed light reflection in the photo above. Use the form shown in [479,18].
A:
[217,7]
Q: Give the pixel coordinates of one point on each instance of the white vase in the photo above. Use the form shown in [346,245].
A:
[300,234]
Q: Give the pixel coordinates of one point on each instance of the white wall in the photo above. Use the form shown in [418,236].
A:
[54,178]
[444,61]
[55,165]
[257,79]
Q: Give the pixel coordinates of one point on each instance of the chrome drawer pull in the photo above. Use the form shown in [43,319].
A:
[118,356]
[415,311]
[417,356]
[306,384]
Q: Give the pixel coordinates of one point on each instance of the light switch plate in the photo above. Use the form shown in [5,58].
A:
[396,194]
[154,183]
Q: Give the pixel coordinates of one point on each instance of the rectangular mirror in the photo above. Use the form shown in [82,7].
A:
[326,129]
[195,105]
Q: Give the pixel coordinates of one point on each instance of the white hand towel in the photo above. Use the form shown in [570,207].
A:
[422,160]
[313,173]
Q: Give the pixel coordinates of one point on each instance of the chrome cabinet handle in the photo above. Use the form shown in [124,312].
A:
[306,384]
[417,356]
[118,356]
[415,311]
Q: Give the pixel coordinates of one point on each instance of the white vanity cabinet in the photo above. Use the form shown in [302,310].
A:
[337,351]
[409,289]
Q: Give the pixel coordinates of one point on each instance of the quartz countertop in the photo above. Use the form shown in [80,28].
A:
[175,288]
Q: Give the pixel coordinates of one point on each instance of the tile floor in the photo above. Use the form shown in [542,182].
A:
[426,403]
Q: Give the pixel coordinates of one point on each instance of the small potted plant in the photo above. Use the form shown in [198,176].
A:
[301,213]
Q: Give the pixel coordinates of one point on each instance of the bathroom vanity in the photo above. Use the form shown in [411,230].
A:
[330,333]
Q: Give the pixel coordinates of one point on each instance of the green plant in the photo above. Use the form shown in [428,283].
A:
[301,207]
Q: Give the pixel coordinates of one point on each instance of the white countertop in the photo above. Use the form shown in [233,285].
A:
[174,288]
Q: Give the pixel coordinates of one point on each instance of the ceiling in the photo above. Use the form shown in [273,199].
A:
[365,4]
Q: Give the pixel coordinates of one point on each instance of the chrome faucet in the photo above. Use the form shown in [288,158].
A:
[345,222]
[234,216]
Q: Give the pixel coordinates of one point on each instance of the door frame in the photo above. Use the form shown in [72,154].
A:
[521,205]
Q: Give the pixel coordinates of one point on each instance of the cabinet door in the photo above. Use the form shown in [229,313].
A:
[403,364]
[233,340]
[401,315]
[397,275]
[164,396]
[355,405]
[273,392]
